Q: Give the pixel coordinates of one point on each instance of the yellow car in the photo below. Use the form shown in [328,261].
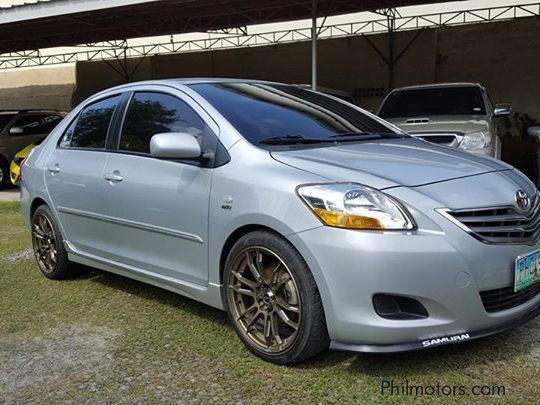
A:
[15,168]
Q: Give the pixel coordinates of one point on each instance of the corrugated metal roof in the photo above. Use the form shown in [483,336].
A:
[24,3]
[49,8]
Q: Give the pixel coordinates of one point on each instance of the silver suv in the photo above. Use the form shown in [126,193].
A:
[459,115]
[19,129]
[310,221]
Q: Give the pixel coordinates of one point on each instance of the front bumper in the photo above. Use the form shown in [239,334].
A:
[440,265]
[439,341]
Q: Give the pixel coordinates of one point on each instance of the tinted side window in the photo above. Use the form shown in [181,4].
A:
[28,124]
[149,114]
[434,101]
[90,130]
[49,122]
[65,142]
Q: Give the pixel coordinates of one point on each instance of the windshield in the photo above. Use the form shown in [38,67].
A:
[281,113]
[5,119]
[434,101]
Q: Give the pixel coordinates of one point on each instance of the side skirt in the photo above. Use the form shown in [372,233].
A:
[209,295]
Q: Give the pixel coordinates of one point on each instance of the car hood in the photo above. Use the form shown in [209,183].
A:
[442,123]
[389,163]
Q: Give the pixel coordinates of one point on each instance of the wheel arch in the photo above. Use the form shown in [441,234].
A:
[36,202]
[235,236]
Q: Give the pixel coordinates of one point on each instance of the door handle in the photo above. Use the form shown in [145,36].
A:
[113,177]
[53,169]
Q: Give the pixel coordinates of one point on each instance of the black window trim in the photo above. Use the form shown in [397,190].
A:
[109,129]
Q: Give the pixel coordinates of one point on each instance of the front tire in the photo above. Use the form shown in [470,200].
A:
[272,299]
[48,244]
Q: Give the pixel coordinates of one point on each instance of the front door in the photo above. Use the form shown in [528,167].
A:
[157,210]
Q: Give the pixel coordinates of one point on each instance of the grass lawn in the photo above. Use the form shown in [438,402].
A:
[100,337]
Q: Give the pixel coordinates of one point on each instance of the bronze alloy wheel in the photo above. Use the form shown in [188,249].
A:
[264,301]
[44,243]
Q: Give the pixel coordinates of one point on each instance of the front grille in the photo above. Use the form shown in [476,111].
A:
[418,121]
[439,139]
[505,298]
[501,225]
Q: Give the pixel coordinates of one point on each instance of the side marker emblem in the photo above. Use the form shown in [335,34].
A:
[227,203]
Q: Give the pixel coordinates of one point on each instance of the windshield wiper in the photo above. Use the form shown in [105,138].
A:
[344,137]
[368,135]
[293,139]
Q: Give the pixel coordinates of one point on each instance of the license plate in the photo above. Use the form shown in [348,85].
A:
[527,270]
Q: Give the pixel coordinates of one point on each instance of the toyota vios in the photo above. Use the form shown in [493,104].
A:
[310,221]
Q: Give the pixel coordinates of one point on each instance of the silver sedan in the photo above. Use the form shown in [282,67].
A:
[313,223]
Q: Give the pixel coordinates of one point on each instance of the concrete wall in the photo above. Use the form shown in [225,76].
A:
[344,64]
[505,56]
[37,88]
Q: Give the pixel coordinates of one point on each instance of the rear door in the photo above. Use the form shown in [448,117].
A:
[74,175]
[157,210]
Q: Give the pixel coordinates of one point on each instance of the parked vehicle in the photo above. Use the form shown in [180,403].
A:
[312,222]
[534,133]
[459,115]
[19,129]
[15,167]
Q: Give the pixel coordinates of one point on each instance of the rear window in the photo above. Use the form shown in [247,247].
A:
[435,101]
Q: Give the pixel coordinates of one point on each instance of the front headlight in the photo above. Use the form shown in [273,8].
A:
[476,140]
[354,206]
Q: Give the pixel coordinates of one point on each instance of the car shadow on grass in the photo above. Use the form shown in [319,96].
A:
[150,292]
[485,351]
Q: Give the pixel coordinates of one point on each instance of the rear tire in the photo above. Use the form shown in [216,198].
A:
[272,299]
[5,182]
[48,244]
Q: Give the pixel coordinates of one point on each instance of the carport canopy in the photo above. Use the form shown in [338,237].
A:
[55,23]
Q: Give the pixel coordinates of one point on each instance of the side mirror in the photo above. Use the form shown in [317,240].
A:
[16,131]
[534,132]
[175,145]
[502,110]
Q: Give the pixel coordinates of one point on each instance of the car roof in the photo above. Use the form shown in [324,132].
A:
[175,82]
[438,85]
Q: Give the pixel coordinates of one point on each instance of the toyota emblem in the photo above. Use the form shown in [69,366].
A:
[523,201]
